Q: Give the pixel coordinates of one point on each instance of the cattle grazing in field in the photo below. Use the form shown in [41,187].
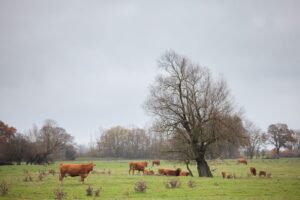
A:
[148,172]
[169,172]
[72,170]
[155,162]
[262,173]
[184,173]
[224,174]
[242,161]
[253,171]
[139,166]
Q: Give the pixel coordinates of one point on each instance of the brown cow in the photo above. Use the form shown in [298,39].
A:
[148,172]
[140,166]
[242,160]
[155,162]
[184,173]
[72,170]
[169,172]
[253,171]
[262,173]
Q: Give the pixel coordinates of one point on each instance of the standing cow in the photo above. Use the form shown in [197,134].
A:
[155,162]
[140,166]
[72,170]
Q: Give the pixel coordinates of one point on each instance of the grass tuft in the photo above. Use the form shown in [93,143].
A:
[89,191]
[4,188]
[173,183]
[59,194]
[140,186]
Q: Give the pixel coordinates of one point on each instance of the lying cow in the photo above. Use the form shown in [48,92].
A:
[148,172]
[253,171]
[155,162]
[72,170]
[169,172]
[184,173]
[242,160]
[139,166]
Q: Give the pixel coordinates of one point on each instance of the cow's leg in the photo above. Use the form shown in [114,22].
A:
[83,176]
[61,177]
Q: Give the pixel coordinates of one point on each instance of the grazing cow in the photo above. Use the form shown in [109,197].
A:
[155,162]
[148,172]
[169,172]
[262,173]
[184,173]
[242,160]
[224,174]
[140,166]
[72,170]
[253,171]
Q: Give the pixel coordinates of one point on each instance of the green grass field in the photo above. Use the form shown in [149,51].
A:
[284,183]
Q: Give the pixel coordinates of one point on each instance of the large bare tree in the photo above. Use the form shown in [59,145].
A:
[255,139]
[193,108]
[281,136]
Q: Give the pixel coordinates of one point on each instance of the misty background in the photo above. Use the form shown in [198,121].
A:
[89,64]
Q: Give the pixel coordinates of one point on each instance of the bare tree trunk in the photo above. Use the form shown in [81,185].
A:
[188,168]
[203,168]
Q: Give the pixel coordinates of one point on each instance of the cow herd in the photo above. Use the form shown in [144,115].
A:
[252,171]
[83,170]
[141,167]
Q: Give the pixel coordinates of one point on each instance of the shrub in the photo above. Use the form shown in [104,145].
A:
[89,191]
[97,192]
[60,194]
[42,175]
[51,171]
[140,186]
[28,177]
[3,188]
[191,183]
[173,183]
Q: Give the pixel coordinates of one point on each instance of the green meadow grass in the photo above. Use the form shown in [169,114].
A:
[284,183]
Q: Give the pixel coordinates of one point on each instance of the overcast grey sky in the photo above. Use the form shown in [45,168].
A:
[89,64]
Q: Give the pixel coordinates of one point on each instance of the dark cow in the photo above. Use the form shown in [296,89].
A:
[169,172]
[155,162]
[253,171]
[72,170]
[140,166]
[224,174]
[262,173]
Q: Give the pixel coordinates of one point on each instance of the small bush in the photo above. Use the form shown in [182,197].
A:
[140,186]
[42,175]
[173,183]
[28,177]
[97,192]
[4,188]
[191,183]
[60,194]
[89,191]
[51,171]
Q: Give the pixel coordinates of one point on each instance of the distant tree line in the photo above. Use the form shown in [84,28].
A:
[51,142]
[37,146]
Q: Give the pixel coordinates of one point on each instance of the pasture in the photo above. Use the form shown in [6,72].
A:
[112,176]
